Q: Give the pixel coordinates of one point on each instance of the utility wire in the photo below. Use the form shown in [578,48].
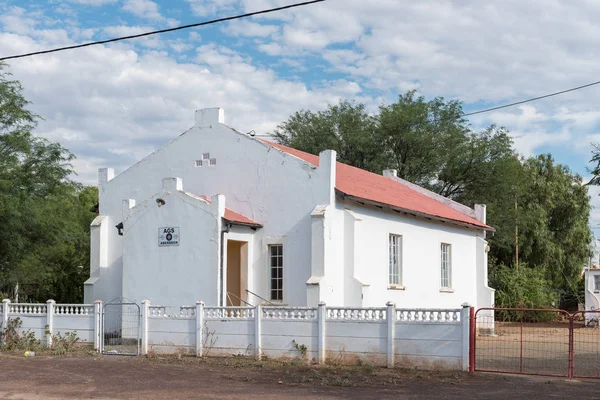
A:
[529,100]
[214,21]
[453,117]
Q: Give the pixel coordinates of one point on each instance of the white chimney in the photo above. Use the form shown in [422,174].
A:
[389,173]
[328,164]
[209,117]
[105,175]
[172,184]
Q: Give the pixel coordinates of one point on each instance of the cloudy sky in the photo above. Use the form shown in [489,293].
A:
[112,105]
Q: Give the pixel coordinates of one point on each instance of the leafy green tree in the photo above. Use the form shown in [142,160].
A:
[346,128]
[555,220]
[45,227]
[419,137]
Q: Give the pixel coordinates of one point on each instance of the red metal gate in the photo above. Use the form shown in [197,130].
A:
[533,342]
[585,344]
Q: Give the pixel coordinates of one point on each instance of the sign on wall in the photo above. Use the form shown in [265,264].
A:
[168,236]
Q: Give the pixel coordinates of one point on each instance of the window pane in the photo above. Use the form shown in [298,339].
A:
[276,266]
[445,266]
[395,259]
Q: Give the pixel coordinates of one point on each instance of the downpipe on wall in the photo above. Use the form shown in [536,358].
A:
[221,262]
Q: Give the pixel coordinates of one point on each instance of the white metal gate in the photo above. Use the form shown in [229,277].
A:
[121,327]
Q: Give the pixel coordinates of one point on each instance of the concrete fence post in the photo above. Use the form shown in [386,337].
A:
[49,331]
[391,329]
[99,326]
[258,331]
[144,333]
[321,317]
[5,313]
[465,320]
[98,337]
[199,325]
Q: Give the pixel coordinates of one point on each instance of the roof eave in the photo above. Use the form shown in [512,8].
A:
[248,224]
[415,213]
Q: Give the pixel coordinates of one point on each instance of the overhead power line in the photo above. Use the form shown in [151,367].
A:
[178,28]
[453,117]
[529,100]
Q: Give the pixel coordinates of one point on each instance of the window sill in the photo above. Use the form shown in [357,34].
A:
[396,287]
[446,290]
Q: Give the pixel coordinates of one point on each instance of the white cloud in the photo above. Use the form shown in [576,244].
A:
[480,52]
[93,2]
[250,29]
[125,30]
[203,8]
[113,105]
[143,9]
[147,9]
[15,20]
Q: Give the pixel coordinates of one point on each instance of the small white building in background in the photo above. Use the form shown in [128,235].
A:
[220,216]
[591,276]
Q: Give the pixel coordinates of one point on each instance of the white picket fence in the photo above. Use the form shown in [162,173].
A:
[386,336]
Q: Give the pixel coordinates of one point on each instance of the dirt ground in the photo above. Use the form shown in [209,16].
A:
[118,377]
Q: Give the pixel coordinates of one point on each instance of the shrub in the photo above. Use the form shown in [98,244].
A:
[527,289]
[13,339]
[62,344]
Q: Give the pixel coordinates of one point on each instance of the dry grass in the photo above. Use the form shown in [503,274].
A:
[248,369]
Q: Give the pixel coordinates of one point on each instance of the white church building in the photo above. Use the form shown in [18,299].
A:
[220,216]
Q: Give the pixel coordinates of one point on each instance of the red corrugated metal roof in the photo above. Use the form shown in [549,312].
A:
[237,218]
[376,188]
[230,215]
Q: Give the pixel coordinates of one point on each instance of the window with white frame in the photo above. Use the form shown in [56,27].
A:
[395,249]
[276,267]
[446,266]
[597,282]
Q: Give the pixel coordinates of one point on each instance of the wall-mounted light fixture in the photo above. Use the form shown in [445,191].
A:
[120,228]
[160,202]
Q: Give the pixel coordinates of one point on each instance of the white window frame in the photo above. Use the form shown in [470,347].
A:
[395,261]
[280,266]
[596,283]
[445,266]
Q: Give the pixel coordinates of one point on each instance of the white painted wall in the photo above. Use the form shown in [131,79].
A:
[173,274]
[264,184]
[339,247]
[421,259]
[592,297]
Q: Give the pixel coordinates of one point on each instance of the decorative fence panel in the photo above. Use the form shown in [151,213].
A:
[425,338]
[49,319]
[290,332]
[380,336]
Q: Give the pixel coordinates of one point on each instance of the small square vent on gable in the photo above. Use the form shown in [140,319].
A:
[206,161]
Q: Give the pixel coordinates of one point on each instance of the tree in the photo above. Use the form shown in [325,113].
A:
[419,137]
[346,128]
[555,220]
[41,208]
